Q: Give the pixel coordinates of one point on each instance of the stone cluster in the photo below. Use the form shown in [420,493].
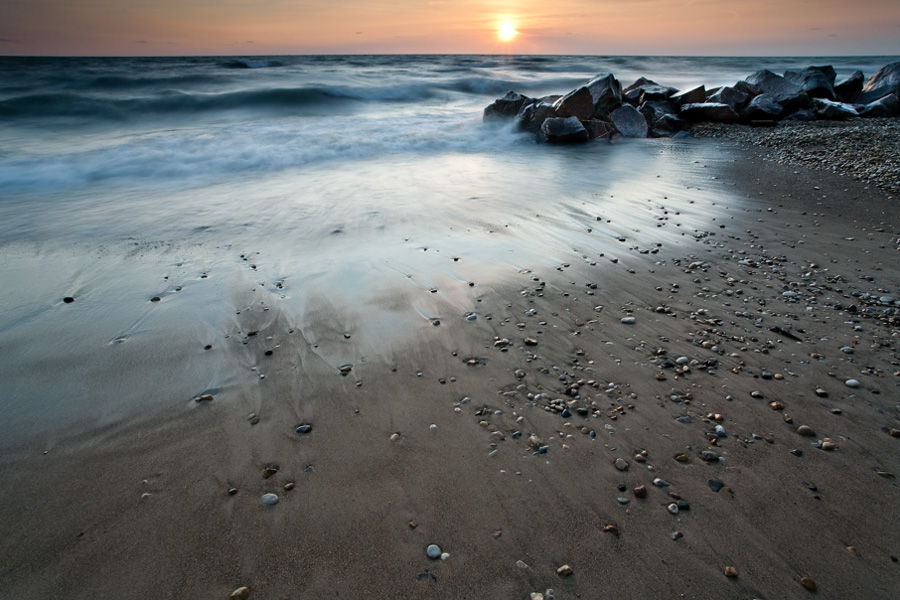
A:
[602,108]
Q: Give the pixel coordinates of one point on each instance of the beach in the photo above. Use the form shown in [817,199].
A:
[758,292]
[299,327]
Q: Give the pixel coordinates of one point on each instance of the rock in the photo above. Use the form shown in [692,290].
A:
[885,81]
[728,95]
[606,92]
[577,103]
[821,393]
[709,456]
[599,130]
[289,486]
[644,90]
[155,299]
[888,106]
[610,528]
[669,126]
[762,107]
[731,572]
[894,433]
[715,112]
[808,583]
[748,88]
[654,110]
[621,464]
[849,89]
[269,471]
[852,383]
[345,369]
[204,398]
[806,431]
[640,491]
[629,121]
[694,96]
[828,444]
[789,95]
[817,82]
[506,107]
[532,116]
[715,485]
[305,428]
[659,482]
[68,299]
[672,508]
[558,130]
[270,499]
[565,571]
[629,320]
[433,551]
[242,593]
[834,111]
[530,342]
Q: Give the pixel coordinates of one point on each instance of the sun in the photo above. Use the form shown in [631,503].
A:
[507,31]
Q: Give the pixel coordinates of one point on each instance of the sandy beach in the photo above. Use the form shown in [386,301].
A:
[622,396]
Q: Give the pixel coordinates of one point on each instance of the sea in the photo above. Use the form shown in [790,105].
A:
[350,182]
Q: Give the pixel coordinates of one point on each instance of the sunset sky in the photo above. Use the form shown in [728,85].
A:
[610,27]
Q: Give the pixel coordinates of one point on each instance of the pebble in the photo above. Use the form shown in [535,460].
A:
[852,383]
[242,593]
[673,508]
[305,428]
[205,398]
[623,501]
[565,571]
[270,499]
[677,536]
[821,393]
[808,583]
[709,456]
[68,299]
[806,431]
[720,431]
[731,572]
[715,485]
[828,444]
[433,551]
[640,491]
[269,471]
[629,320]
[621,464]
[658,482]
[289,486]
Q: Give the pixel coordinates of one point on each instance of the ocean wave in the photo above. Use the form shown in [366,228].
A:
[245,63]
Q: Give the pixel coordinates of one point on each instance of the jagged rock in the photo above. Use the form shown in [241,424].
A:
[708,111]
[762,108]
[817,82]
[835,111]
[669,126]
[694,96]
[599,130]
[885,81]
[748,88]
[629,121]
[645,90]
[888,106]
[607,93]
[848,90]
[563,130]
[789,95]
[506,107]
[577,103]
[730,96]
[533,115]
[807,114]
[654,110]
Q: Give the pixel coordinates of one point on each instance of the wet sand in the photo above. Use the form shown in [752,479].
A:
[449,429]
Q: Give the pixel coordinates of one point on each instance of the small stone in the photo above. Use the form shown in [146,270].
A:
[629,320]
[621,464]
[305,428]
[756,394]
[520,374]
[345,369]
[808,583]
[232,491]
[852,383]
[677,536]
[715,485]
[640,491]
[806,431]
[289,486]
[497,533]
[828,444]
[673,508]
[155,299]
[894,433]
[413,524]
[852,550]
[565,571]
[433,551]
[611,529]
[682,458]
[530,342]
[68,299]
[709,456]
[395,437]
[270,499]
[205,398]
[658,482]
[821,393]
[776,405]
[242,593]
[269,471]
[731,572]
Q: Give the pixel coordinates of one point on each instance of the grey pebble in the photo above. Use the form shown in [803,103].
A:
[433,551]
[629,320]
[270,499]
[715,485]
[852,383]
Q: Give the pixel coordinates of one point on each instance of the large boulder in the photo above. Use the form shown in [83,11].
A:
[848,90]
[789,95]
[577,103]
[669,126]
[730,96]
[599,130]
[532,116]
[644,90]
[606,92]
[563,130]
[654,110]
[885,81]
[817,82]
[887,106]
[762,108]
[693,96]
[708,111]
[833,111]
[629,121]
[748,88]
[506,107]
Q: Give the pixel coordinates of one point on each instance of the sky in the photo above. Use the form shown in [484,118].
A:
[591,27]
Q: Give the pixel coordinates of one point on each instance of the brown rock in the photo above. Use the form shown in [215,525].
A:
[621,464]
[242,593]
[565,571]
[204,398]
[640,491]
[731,572]
[806,431]
[808,583]
[611,529]
[895,433]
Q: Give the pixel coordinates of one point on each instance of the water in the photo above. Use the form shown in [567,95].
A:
[340,190]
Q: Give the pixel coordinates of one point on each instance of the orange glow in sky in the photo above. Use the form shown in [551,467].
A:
[606,27]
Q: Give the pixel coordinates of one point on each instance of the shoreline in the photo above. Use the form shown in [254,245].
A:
[141,507]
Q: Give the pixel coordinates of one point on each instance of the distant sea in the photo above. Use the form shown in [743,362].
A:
[77,134]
